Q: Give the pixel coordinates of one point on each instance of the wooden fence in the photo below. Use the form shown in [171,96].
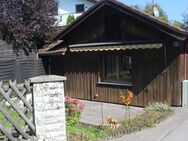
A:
[16,112]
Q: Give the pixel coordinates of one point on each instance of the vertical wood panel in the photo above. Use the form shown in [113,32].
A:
[152,80]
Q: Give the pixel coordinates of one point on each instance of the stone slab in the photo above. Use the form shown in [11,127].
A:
[47,78]
[49,111]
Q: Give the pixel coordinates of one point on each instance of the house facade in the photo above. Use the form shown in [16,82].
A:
[113,48]
[72,7]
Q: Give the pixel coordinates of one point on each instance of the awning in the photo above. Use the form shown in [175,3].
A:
[115,47]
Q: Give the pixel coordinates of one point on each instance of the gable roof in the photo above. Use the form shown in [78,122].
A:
[139,15]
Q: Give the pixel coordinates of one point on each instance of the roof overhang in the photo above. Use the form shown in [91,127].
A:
[53,53]
[79,48]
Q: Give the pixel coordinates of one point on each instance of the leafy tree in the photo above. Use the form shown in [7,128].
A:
[185,19]
[162,15]
[136,7]
[70,19]
[26,23]
[178,24]
[149,9]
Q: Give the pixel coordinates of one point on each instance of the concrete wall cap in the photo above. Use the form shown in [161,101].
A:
[47,78]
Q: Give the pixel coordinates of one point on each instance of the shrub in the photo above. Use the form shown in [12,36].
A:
[157,106]
[70,19]
[73,109]
[151,122]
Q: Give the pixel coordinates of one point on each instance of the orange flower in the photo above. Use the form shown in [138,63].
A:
[130,94]
[122,98]
[127,100]
[109,120]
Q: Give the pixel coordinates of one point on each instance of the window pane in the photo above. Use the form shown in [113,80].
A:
[125,68]
[61,19]
[79,8]
[110,67]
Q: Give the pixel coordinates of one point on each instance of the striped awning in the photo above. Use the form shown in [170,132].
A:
[115,47]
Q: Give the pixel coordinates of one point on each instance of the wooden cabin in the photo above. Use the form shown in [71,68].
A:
[16,65]
[113,48]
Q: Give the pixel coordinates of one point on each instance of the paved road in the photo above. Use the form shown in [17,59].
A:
[175,128]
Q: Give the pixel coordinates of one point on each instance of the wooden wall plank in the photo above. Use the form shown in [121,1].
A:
[152,80]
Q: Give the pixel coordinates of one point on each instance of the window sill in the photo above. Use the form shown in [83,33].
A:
[115,84]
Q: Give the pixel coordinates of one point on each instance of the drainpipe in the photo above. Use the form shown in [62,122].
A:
[165,56]
[185,61]
[49,66]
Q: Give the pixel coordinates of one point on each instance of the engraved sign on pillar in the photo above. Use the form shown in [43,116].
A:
[49,108]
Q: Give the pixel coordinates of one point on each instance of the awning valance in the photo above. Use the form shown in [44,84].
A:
[115,47]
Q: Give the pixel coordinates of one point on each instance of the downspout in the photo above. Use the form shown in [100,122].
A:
[185,61]
[49,65]
[165,56]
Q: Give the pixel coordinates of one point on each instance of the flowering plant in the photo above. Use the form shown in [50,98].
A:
[73,108]
[112,122]
[127,101]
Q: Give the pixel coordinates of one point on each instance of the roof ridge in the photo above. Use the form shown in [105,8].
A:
[166,28]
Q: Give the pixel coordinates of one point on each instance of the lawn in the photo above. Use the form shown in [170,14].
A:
[86,132]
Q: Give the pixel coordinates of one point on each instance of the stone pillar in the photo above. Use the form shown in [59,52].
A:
[49,107]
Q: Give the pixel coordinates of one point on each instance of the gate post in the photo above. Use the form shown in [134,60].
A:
[49,107]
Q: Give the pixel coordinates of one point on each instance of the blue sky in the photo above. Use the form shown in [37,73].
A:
[173,8]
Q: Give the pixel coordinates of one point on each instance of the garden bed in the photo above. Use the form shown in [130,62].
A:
[151,116]
[145,120]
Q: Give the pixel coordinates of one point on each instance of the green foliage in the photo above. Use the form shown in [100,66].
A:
[177,24]
[136,6]
[157,106]
[14,117]
[162,14]
[185,20]
[72,119]
[87,132]
[70,19]
[151,122]
[149,10]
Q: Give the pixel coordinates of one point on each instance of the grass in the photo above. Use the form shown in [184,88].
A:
[86,133]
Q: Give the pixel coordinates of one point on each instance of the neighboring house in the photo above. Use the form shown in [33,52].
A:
[113,48]
[72,7]
[15,65]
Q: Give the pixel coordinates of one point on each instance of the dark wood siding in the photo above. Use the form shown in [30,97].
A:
[152,80]
[15,65]
[156,76]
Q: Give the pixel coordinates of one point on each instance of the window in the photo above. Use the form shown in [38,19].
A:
[80,8]
[117,68]
[60,18]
